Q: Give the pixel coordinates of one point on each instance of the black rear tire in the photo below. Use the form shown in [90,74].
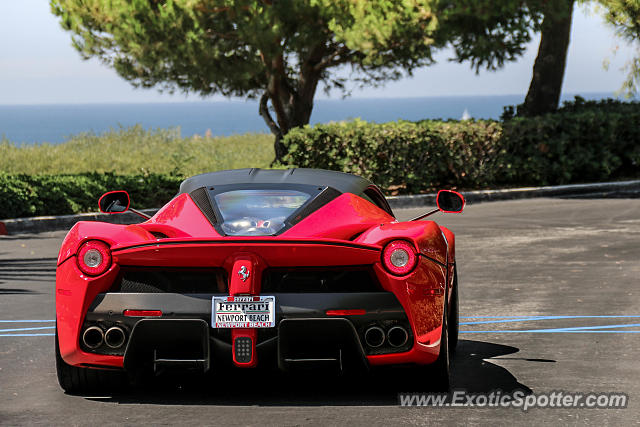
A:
[436,376]
[440,370]
[454,315]
[75,380]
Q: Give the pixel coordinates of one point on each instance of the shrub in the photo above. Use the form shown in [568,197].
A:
[33,195]
[581,142]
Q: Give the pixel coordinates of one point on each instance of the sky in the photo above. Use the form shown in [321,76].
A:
[38,65]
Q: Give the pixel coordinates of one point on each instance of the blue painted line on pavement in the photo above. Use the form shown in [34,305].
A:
[607,316]
[27,335]
[532,318]
[26,321]
[550,332]
[493,317]
[585,328]
[26,329]
[519,319]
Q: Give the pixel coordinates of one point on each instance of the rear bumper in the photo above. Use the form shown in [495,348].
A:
[304,334]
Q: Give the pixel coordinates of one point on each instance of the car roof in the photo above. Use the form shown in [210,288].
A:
[343,182]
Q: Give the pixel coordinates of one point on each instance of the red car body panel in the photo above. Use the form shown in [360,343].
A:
[347,231]
[74,293]
[342,218]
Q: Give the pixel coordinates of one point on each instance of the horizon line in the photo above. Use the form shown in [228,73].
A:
[347,99]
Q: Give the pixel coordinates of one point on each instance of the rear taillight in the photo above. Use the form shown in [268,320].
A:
[399,257]
[94,257]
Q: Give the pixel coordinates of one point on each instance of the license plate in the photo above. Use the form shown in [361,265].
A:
[243,312]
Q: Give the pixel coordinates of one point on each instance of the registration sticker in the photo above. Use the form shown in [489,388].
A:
[243,312]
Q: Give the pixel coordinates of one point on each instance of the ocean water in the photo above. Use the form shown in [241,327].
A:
[55,123]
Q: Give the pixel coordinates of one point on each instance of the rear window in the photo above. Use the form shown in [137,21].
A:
[257,212]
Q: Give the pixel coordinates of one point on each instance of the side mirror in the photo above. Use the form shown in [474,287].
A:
[450,201]
[114,202]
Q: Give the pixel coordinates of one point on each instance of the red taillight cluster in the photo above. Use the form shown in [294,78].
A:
[94,257]
[399,257]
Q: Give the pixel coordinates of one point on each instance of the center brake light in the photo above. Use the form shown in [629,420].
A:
[399,257]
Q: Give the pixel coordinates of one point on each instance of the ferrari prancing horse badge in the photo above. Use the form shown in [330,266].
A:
[243,273]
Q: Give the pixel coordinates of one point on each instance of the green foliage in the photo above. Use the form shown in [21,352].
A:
[624,16]
[24,195]
[582,142]
[137,151]
[57,179]
[282,50]
[488,33]
[231,47]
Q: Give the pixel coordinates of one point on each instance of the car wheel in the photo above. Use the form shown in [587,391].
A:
[73,379]
[454,319]
[440,369]
[436,375]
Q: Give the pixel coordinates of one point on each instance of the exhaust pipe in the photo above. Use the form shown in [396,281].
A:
[374,336]
[114,337]
[93,337]
[397,336]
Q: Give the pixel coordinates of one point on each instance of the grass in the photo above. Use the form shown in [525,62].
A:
[134,150]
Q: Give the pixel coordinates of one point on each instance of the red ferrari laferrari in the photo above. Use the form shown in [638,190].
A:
[297,268]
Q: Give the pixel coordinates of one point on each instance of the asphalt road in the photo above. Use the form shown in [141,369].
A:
[549,280]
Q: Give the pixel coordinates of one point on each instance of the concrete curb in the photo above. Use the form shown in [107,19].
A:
[39,224]
[605,189]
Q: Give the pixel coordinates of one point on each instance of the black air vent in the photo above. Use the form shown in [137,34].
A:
[313,279]
[201,199]
[173,280]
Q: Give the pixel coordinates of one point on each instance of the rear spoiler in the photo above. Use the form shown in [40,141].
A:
[275,252]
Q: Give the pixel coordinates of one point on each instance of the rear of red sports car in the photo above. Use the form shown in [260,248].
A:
[257,268]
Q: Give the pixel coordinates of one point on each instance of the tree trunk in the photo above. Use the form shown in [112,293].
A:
[292,106]
[295,112]
[548,71]
[278,148]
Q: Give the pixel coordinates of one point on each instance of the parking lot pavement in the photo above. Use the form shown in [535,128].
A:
[549,301]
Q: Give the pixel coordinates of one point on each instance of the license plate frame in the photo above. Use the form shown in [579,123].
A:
[243,311]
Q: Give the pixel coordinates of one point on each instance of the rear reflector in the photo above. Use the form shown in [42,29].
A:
[356,312]
[142,313]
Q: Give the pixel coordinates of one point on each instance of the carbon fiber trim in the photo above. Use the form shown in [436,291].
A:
[200,197]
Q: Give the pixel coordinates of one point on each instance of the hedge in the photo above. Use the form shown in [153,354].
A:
[24,195]
[581,142]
